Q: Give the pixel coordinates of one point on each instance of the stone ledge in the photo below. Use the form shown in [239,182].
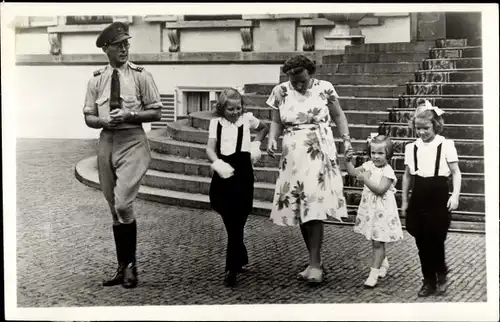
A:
[76,28]
[165,58]
[279,16]
[209,24]
[162,18]
[316,22]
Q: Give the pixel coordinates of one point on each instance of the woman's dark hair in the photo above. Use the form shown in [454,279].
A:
[389,150]
[297,64]
[226,95]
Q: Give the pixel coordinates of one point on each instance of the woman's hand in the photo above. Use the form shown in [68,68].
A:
[404,208]
[347,146]
[452,203]
[272,146]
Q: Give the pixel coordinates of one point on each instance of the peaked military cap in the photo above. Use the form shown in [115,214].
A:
[115,32]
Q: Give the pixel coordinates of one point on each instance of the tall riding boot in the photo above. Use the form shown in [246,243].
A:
[130,273]
[119,243]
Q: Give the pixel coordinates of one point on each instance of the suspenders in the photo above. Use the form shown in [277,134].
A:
[238,142]
[438,159]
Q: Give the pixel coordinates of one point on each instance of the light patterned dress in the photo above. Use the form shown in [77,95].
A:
[378,217]
[310,185]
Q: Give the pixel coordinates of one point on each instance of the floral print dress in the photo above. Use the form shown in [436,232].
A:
[378,217]
[310,185]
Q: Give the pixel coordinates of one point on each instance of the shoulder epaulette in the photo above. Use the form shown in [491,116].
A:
[135,67]
[98,72]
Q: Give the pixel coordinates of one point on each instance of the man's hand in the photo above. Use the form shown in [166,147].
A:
[119,116]
[107,123]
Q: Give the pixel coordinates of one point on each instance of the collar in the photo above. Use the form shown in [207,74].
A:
[224,122]
[121,70]
[438,139]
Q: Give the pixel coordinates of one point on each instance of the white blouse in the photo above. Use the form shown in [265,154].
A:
[229,133]
[426,156]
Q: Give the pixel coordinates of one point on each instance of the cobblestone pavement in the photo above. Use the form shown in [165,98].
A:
[65,248]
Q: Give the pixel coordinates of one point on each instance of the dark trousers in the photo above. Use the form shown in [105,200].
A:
[431,250]
[428,220]
[232,198]
[236,254]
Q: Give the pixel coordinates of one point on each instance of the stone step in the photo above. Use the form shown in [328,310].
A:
[370,90]
[443,43]
[385,68]
[462,88]
[367,79]
[456,52]
[332,59]
[372,117]
[452,63]
[259,88]
[420,46]
[465,147]
[385,57]
[347,104]
[86,172]
[444,101]
[181,131]
[447,76]
[451,116]
[189,144]
[452,131]
[201,120]
[471,183]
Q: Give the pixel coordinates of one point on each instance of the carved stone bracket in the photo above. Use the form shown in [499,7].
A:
[308,34]
[55,43]
[246,36]
[173,36]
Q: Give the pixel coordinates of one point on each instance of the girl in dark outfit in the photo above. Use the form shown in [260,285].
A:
[429,162]
[231,190]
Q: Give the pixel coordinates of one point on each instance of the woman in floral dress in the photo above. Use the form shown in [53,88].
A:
[309,188]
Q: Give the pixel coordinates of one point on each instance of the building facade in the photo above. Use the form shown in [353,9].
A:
[193,56]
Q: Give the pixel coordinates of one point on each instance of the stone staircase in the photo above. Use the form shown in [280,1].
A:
[378,84]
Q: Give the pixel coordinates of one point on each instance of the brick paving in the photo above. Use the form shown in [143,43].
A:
[65,248]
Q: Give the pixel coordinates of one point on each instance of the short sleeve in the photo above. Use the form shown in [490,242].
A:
[388,172]
[450,151]
[408,154]
[149,92]
[253,122]
[277,95]
[90,107]
[330,92]
[212,128]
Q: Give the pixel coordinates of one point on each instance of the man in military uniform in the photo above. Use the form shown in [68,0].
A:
[119,98]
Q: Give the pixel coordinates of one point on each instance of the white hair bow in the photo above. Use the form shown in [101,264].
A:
[428,106]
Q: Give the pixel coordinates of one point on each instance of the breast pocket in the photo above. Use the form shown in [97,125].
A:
[103,105]
[130,102]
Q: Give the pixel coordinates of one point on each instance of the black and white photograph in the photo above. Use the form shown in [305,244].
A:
[250,161]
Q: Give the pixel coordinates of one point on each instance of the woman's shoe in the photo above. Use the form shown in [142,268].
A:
[372,279]
[230,279]
[315,275]
[382,272]
[304,274]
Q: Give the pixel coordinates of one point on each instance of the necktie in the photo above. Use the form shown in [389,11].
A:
[114,101]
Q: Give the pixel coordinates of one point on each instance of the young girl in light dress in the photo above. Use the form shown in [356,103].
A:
[377,218]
